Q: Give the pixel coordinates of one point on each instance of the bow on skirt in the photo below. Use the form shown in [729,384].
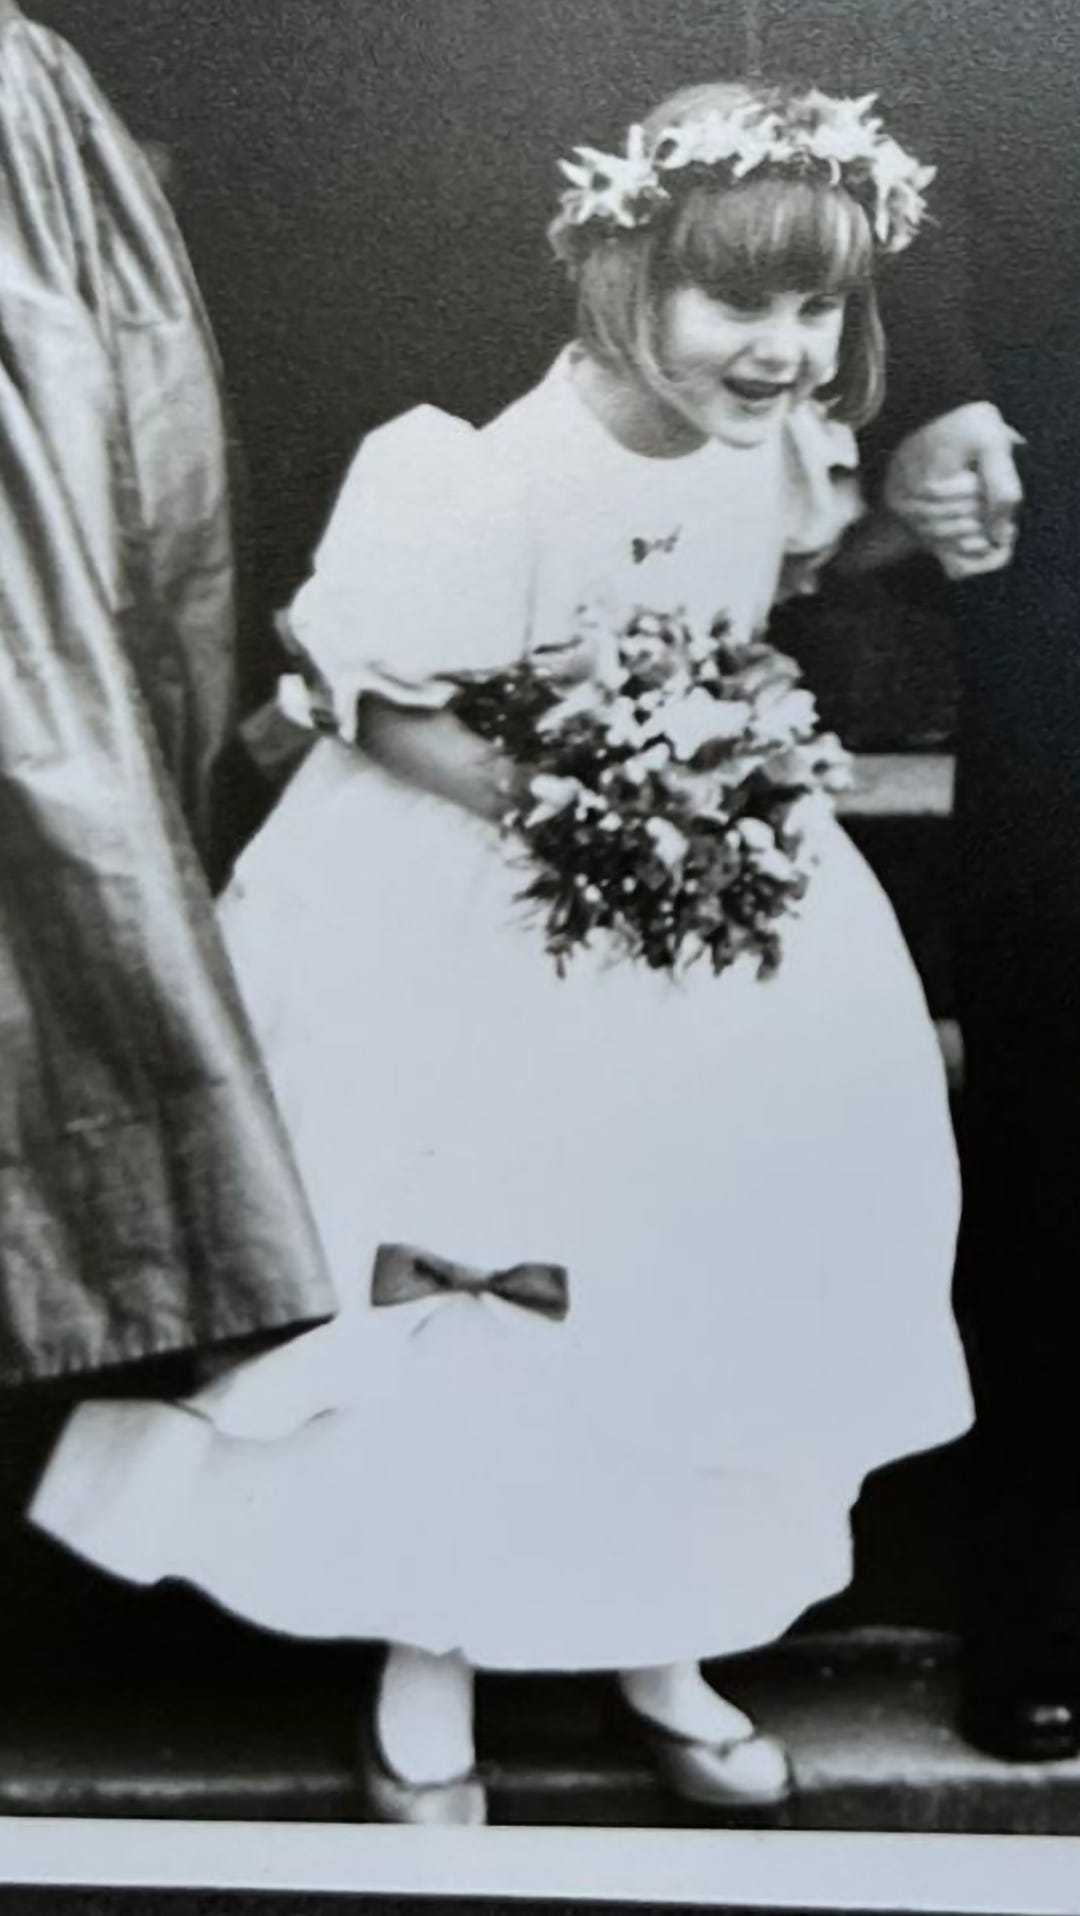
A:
[403,1274]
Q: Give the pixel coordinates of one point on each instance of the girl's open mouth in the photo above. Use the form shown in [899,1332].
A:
[759,393]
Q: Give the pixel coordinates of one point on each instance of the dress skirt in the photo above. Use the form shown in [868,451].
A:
[751,1185]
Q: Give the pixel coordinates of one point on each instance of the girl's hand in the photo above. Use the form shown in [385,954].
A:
[434,752]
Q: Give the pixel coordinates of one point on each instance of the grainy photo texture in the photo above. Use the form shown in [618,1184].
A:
[539,880]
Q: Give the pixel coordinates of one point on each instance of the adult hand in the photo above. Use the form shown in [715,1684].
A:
[954,485]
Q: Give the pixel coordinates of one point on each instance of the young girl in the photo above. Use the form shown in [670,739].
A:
[749,1186]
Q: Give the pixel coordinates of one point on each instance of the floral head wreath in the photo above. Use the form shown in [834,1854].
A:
[809,135]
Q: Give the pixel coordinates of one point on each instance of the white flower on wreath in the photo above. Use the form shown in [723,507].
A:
[623,191]
[843,126]
[607,185]
[743,135]
[899,185]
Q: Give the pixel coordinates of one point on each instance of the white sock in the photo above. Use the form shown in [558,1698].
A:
[677,1697]
[424,1715]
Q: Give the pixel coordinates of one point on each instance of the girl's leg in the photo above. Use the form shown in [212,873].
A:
[676,1697]
[424,1715]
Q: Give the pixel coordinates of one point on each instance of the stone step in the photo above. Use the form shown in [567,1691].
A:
[868,1716]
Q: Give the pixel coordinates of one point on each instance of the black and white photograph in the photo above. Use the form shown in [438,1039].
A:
[540,935]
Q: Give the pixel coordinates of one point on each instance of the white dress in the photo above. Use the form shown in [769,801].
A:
[752,1185]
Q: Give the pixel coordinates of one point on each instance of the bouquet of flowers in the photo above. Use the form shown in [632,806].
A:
[661,794]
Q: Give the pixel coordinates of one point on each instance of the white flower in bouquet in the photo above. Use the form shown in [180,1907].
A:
[767,678]
[777,865]
[670,844]
[700,652]
[755,834]
[579,702]
[673,801]
[819,762]
[698,719]
[624,727]
[768,859]
[644,764]
[650,640]
[832,764]
[554,795]
[804,821]
[652,701]
[789,715]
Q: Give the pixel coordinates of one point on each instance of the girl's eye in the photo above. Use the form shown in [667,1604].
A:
[823,305]
[743,308]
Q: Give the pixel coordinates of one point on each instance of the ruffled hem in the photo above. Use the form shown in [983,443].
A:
[597,1567]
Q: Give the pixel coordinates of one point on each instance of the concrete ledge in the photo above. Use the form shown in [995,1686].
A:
[952,1050]
[869,1716]
[901,785]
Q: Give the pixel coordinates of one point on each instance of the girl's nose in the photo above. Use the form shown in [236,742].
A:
[778,347]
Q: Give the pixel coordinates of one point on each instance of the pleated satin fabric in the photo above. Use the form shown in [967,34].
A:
[148,1200]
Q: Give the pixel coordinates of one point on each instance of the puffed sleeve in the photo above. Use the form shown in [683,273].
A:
[422,574]
[823,495]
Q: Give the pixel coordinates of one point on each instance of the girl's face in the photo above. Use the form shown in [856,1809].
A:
[738,369]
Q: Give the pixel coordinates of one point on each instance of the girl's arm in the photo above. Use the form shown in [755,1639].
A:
[436,753]
[878,539]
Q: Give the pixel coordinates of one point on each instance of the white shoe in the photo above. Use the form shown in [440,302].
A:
[743,1771]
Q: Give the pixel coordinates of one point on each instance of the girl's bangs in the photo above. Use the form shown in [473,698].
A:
[769,236]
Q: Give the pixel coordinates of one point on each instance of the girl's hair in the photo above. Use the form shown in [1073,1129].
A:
[763,235]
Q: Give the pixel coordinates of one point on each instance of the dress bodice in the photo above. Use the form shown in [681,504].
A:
[703,533]
[453,550]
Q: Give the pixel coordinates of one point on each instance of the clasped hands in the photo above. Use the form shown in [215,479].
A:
[954,486]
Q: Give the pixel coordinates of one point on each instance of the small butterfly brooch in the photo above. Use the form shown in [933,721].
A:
[641,548]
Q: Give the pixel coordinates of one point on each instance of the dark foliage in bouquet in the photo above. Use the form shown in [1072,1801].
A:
[662,793]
